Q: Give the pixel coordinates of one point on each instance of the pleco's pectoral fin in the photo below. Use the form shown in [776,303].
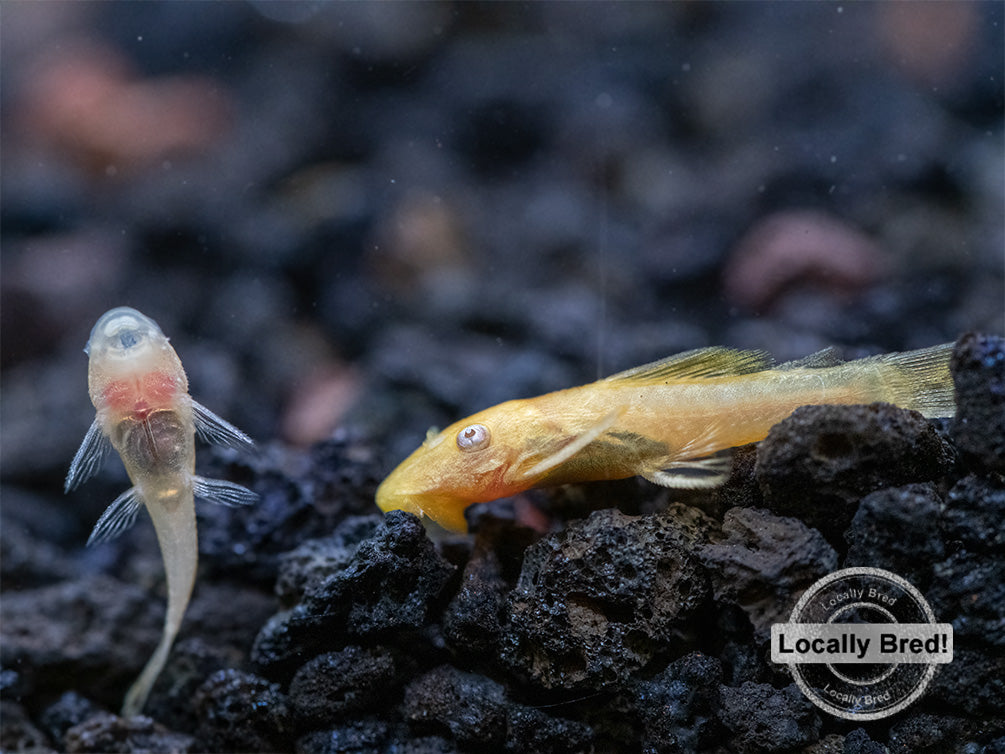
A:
[693,473]
[217,431]
[570,449]
[118,517]
[222,492]
[88,458]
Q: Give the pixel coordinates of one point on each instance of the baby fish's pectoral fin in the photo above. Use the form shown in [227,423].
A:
[217,431]
[118,517]
[693,473]
[570,449]
[89,457]
[222,492]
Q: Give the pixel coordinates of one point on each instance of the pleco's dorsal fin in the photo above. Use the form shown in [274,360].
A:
[828,357]
[698,364]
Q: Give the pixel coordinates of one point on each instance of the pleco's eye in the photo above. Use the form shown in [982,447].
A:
[473,437]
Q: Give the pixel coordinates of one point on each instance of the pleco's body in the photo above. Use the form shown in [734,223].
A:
[143,410]
[669,421]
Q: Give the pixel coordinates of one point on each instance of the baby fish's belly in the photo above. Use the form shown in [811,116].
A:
[159,444]
[169,492]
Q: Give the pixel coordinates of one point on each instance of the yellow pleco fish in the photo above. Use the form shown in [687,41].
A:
[669,421]
[143,410]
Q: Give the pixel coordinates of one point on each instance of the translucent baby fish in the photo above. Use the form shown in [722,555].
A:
[671,422]
[143,410]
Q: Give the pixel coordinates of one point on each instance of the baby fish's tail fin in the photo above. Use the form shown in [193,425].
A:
[919,380]
[137,695]
[176,535]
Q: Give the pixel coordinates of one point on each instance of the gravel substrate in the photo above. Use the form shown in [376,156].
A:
[357,221]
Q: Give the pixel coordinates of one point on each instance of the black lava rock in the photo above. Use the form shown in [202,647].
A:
[968,590]
[471,708]
[11,685]
[763,718]
[360,737]
[974,683]
[28,560]
[372,736]
[678,706]
[301,496]
[741,488]
[393,582]
[530,729]
[105,733]
[603,598]
[228,616]
[191,662]
[978,367]
[762,562]
[338,683]
[305,567]
[818,463]
[858,742]
[18,732]
[475,712]
[242,712]
[974,517]
[69,710]
[923,733]
[898,529]
[472,622]
[94,633]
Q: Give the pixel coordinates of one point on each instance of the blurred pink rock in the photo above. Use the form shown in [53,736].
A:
[421,245]
[931,42]
[86,101]
[798,249]
[319,403]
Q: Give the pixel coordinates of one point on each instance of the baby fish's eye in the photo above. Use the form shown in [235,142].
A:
[128,338]
[118,332]
[473,437]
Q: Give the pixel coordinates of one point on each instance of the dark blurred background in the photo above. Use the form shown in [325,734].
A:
[382,216]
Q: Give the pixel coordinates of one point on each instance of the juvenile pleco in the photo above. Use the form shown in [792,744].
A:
[143,411]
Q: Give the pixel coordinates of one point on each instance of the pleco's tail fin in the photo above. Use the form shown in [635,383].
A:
[920,380]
